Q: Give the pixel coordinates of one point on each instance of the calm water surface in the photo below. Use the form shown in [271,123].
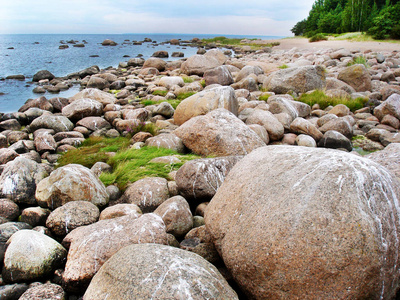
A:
[32,53]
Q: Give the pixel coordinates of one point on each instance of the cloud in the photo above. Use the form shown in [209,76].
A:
[252,17]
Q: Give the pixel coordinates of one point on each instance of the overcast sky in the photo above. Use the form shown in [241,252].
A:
[244,17]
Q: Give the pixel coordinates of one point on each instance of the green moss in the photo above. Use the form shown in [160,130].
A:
[174,102]
[134,164]
[283,67]
[359,60]
[93,150]
[129,165]
[319,97]
[160,93]
[187,79]
[203,83]
[183,96]
[264,97]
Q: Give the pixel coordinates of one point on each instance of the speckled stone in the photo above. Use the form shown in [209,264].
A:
[150,271]
[308,223]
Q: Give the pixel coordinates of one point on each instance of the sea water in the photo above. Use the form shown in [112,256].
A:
[35,52]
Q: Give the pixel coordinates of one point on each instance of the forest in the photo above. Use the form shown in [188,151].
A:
[378,18]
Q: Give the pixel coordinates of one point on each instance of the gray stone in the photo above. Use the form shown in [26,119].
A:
[135,273]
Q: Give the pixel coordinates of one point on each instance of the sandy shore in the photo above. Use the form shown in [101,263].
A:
[302,43]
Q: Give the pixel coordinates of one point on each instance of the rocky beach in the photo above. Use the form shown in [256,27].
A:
[272,198]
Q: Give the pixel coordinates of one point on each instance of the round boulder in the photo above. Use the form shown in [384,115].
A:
[297,222]
[159,272]
[71,183]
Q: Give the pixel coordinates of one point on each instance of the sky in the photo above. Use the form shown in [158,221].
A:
[237,17]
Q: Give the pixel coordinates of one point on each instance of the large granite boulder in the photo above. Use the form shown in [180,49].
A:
[296,223]
[95,94]
[57,123]
[31,255]
[206,101]
[167,141]
[198,180]
[298,80]
[150,271]
[198,64]
[41,103]
[91,246]
[82,108]
[388,157]
[218,133]
[267,120]
[19,179]
[71,183]
[44,291]
[219,75]
[43,74]
[357,76]
[154,62]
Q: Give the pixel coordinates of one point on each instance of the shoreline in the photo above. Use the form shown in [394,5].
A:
[303,44]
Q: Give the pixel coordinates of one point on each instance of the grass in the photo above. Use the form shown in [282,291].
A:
[319,97]
[359,60]
[360,37]
[129,165]
[283,67]
[187,79]
[264,97]
[160,93]
[174,102]
[92,150]
[224,41]
[183,96]
[318,37]
[134,164]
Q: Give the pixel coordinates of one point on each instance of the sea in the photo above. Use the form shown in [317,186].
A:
[25,54]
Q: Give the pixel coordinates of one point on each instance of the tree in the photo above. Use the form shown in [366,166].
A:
[299,28]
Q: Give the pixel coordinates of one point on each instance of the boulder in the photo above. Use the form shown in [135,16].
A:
[247,70]
[31,255]
[35,216]
[57,123]
[305,141]
[308,223]
[6,231]
[6,155]
[219,75]
[165,109]
[8,209]
[136,62]
[44,141]
[388,157]
[206,101]
[167,141]
[198,64]
[339,124]
[160,272]
[266,119]
[389,107]
[161,54]
[44,291]
[40,102]
[82,108]
[170,81]
[147,193]
[303,126]
[71,183]
[108,42]
[357,76]
[95,94]
[218,133]
[43,74]
[154,62]
[199,179]
[120,210]
[94,123]
[72,215]
[98,83]
[335,140]
[12,291]
[19,180]
[298,80]
[11,124]
[91,246]
[176,214]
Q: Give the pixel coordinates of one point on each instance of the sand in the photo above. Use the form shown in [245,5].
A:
[302,43]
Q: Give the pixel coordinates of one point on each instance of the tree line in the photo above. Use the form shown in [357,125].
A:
[379,18]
